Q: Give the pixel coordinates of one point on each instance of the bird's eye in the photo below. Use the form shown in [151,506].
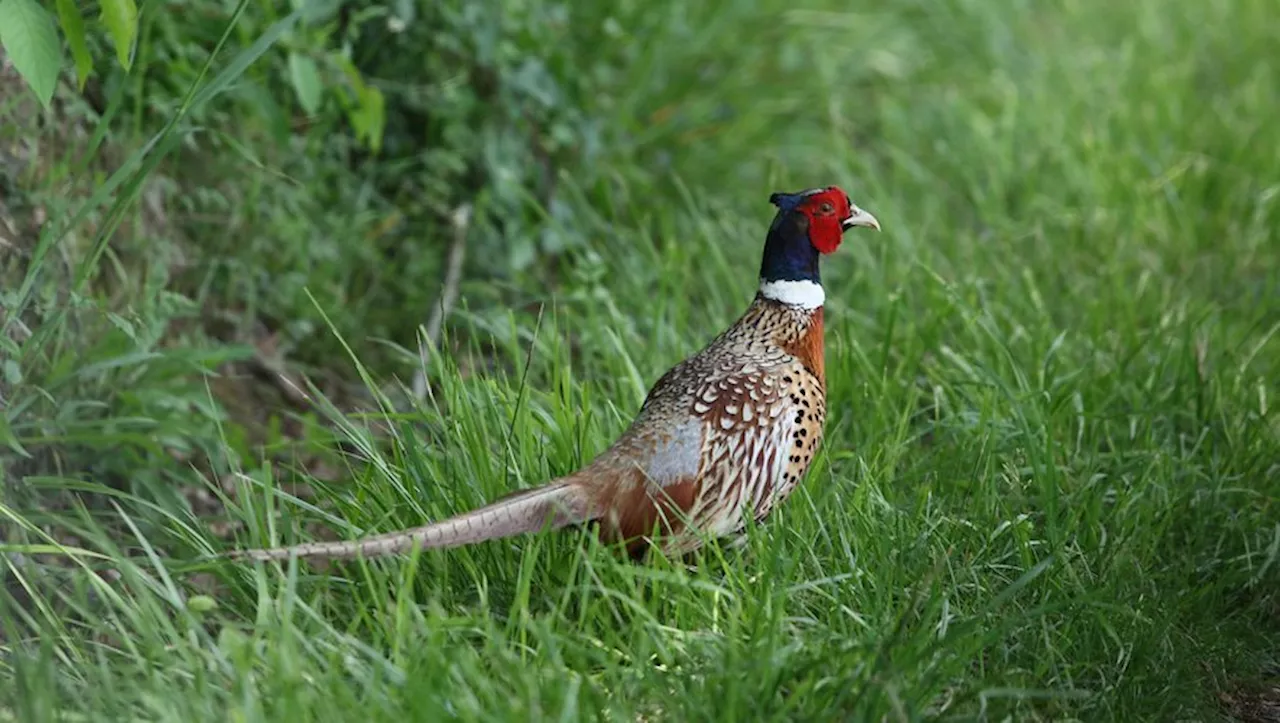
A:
[826,208]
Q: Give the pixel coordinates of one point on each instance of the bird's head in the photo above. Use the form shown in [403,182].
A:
[824,213]
[808,224]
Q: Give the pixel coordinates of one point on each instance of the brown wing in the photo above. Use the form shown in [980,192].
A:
[648,478]
[647,509]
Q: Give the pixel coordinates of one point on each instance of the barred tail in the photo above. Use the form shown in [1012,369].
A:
[560,503]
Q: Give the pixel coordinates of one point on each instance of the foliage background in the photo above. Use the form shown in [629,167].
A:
[1049,488]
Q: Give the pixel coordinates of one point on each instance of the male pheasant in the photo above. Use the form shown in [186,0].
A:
[723,435]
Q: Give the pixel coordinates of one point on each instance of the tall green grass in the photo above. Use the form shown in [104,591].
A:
[1049,485]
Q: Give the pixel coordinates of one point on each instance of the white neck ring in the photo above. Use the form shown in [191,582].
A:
[803,294]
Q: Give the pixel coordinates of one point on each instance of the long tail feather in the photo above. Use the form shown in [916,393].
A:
[561,503]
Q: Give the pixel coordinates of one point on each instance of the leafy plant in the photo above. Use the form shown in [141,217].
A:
[29,35]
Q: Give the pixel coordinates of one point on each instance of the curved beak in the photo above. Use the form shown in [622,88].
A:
[860,218]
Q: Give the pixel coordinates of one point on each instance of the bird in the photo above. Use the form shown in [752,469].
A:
[722,438]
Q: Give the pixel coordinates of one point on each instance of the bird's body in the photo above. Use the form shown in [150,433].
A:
[723,437]
[725,434]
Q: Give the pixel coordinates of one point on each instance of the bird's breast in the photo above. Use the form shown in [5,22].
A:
[807,347]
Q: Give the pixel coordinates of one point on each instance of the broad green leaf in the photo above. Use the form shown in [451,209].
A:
[121,19]
[73,30]
[367,110]
[371,117]
[306,81]
[30,38]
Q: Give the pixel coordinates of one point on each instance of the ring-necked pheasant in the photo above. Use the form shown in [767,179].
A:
[723,435]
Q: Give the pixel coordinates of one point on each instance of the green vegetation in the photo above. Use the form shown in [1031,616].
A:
[1051,482]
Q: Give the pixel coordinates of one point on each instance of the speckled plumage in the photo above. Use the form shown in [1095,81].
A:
[722,437]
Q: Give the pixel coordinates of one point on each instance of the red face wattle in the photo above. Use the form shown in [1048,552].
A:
[827,211]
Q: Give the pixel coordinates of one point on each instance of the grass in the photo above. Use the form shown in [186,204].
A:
[1049,488]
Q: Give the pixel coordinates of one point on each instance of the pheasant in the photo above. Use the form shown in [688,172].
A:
[724,435]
